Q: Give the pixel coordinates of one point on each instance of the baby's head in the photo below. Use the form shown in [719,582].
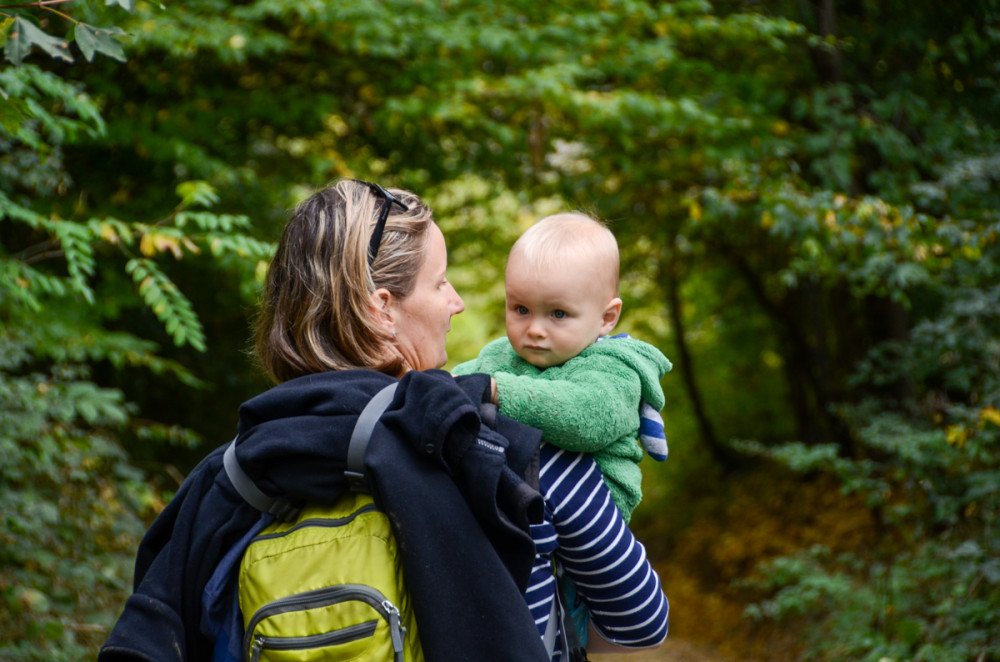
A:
[562,288]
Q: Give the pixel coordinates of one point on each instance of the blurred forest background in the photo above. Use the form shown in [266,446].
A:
[807,197]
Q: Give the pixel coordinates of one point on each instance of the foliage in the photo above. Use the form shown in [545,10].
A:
[929,589]
[805,195]
[19,34]
[74,504]
[72,507]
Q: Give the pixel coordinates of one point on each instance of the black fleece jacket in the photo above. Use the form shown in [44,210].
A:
[460,511]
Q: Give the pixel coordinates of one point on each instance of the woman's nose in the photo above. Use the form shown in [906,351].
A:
[457,305]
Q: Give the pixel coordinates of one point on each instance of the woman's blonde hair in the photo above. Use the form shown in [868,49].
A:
[317,312]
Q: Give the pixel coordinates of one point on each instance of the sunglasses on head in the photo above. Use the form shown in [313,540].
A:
[388,199]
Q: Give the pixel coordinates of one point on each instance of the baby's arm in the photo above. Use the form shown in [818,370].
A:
[608,565]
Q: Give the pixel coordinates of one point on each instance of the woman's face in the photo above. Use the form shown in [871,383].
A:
[423,318]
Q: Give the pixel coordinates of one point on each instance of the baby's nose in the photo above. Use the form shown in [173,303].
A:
[536,328]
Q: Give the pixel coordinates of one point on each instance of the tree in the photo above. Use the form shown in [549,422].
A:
[802,191]
[74,503]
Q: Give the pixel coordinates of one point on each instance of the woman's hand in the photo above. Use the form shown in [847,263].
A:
[493,392]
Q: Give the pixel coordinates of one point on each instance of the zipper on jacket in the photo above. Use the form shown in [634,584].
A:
[324,597]
[496,448]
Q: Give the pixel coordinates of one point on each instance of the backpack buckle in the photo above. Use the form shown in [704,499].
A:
[284,510]
[356,481]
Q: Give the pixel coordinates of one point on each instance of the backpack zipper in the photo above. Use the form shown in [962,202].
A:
[352,633]
[322,597]
[319,522]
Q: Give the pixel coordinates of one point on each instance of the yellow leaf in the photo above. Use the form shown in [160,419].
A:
[147,246]
[990,414]
[971,252]
[153,243]
[695,211]
[260,273]
[956,435]
[766,220]
[109,234]
[165,243]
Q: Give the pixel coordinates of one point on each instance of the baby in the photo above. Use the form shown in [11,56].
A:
[552,372]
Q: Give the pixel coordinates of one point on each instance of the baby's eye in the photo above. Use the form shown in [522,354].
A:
[521,310]
[559,314]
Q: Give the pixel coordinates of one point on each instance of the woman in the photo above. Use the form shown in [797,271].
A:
[357,297]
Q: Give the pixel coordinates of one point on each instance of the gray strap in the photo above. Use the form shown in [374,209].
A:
[355,472]
[280,508]
[549,638]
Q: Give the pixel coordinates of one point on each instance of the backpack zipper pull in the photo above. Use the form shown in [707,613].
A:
[396,629]
[258,646]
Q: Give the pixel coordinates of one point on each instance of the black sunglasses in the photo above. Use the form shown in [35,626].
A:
[388,199]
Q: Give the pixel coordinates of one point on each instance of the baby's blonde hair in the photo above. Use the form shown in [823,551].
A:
[544,243]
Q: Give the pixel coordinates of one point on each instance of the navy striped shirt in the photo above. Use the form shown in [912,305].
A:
[585,533]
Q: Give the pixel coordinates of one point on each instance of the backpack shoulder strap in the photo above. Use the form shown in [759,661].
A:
[355,472]
[281,507]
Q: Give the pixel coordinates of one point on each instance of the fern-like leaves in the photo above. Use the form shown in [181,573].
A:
[167,302]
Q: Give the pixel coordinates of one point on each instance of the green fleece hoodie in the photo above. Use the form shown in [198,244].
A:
[589,404]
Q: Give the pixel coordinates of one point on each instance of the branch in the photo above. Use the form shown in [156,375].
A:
[32,251]
[39,257]
[40,3]
[56,11]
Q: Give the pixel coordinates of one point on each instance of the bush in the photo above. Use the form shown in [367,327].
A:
[72,509]
[929,469]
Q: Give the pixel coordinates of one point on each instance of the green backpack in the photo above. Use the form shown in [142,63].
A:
[328,584]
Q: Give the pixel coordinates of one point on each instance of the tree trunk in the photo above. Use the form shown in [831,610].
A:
[808,390]
[670,278]
[826,57]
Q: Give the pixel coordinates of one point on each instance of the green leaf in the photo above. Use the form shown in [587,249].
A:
[12,114]
[24,34]
[124,4]
[197,193]
[93,40]
[5,29]
[167,302]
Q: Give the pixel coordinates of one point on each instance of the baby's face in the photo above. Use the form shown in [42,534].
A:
[554,312]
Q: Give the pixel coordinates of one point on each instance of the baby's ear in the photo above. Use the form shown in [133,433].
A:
[611,314]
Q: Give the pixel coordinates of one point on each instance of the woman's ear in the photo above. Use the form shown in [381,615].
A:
[611,314]
[382,310]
